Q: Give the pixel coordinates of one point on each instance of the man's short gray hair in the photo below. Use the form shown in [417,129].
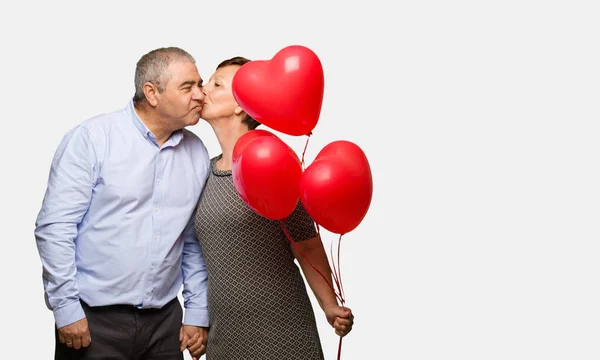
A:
[152,67]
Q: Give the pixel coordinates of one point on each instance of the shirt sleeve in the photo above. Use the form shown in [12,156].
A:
[73,174]
[195,279]
[300,225]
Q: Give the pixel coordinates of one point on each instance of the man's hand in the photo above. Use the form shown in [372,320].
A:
[194,338]
[75,335]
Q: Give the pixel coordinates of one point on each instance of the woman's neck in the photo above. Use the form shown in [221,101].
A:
[228,132]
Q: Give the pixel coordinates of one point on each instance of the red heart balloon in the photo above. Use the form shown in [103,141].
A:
[243,141]
[337,187]
[266,174]
[284,93]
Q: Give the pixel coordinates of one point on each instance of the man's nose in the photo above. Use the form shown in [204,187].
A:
[198,94]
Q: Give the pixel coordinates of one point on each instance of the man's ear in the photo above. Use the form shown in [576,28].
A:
[151,93]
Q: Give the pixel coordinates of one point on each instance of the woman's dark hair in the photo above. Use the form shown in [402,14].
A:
[238,60]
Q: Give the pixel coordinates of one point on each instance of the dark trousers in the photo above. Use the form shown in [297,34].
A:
[125,332]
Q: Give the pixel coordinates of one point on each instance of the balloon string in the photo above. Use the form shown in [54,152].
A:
[338,280]
[336,273]
[340,268]
[305,146]
[328,282]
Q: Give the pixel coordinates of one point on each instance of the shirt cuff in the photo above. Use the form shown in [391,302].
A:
[68,314]
[196,317]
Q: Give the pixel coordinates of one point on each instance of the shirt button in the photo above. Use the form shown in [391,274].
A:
[157,180]
[155,209]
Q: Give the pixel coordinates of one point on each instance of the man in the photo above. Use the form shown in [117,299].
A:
[115,231]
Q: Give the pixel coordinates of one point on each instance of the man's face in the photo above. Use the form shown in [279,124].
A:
[180,103]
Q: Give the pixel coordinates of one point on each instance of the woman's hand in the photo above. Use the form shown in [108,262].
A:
[341,318]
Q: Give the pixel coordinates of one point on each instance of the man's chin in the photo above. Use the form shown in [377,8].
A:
[194,121]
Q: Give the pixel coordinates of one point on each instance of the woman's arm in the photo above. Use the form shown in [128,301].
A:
[309,252]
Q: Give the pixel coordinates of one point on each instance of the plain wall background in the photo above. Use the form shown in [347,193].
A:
[479,119]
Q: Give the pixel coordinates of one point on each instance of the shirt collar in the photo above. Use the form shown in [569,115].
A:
[174,140]
[139,124]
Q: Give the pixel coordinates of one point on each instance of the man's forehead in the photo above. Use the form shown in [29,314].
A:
[181,66]
[183,72]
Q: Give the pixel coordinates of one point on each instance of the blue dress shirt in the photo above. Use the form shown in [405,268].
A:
[116,223]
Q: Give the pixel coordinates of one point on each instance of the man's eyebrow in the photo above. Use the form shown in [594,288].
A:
[189,82]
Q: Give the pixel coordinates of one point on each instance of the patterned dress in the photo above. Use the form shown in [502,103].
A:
[258,304]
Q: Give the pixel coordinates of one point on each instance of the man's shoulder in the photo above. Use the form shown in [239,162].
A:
[101,123]
[190,135]
[192,138]
[195,145]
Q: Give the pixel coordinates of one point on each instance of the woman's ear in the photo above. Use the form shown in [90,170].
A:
[238,109]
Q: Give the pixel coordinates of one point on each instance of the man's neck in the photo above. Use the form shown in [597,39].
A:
[154,124]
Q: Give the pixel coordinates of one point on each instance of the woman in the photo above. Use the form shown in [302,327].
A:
[258,304]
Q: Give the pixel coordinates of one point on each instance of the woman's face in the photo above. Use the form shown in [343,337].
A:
[219,101]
